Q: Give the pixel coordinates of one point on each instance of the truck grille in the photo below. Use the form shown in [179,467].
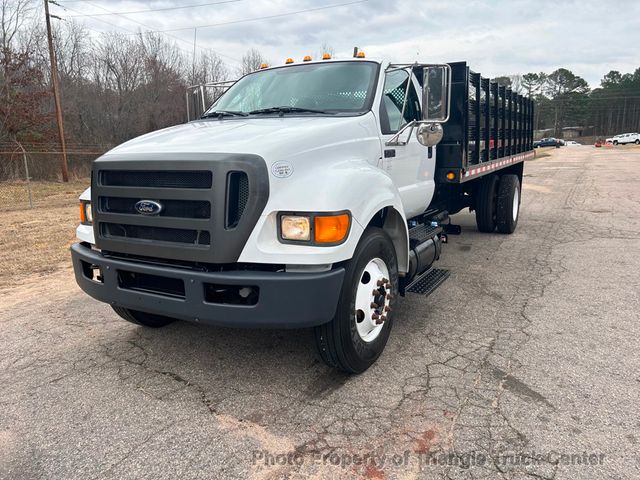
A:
[157,234]
[171,208]
[237,197]
[156,179]
[208,210]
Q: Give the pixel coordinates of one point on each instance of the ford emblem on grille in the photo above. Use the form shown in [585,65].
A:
[148,207]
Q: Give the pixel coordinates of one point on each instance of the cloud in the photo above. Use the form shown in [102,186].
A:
[496,37]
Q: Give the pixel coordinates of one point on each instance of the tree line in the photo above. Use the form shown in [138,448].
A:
[116,86]
[564,99]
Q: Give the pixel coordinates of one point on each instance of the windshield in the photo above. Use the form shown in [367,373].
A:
[331,88]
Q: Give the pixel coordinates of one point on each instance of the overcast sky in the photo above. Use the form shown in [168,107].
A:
[497,37]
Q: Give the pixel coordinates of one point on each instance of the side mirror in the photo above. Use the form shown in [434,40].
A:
[429,134]
[436,93]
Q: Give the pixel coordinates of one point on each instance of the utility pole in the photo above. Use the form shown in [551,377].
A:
[193,63]
[56,93]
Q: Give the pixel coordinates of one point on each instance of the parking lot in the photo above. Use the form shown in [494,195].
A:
[523,364]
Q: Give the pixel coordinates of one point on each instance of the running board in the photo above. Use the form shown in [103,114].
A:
[427,283]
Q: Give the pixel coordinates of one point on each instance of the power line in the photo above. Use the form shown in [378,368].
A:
[267,17]
[154,9]
[167,34]
[149,31]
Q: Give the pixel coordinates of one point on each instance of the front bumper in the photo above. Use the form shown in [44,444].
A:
[285,299]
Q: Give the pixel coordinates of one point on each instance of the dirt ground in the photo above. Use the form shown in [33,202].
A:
[523,364]
[35,241]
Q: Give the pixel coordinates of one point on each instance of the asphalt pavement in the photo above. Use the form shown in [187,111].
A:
[523,364]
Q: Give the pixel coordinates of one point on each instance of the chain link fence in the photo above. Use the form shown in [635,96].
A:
[31,178]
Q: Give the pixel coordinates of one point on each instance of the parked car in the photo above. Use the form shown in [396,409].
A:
[547,142]
[572,143]
[625,138]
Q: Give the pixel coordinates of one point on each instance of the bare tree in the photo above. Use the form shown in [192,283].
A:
[251,61]
[210,68]
[13,16]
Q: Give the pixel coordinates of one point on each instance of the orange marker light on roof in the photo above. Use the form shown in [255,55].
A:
[360,55]
[326,56]
[307,58]
[264,65]
[288,61]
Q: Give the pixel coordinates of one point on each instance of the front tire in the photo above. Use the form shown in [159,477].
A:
[508,204]
[142,318]
[637,142]
[356,336]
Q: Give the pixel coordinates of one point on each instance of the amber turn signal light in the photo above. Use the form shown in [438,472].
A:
[331,228]
[83,216]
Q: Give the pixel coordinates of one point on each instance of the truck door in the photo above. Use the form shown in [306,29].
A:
[412,165]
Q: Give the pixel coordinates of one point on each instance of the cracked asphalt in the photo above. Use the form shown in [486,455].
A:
[523,364]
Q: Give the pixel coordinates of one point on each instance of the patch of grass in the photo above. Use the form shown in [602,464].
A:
[15,195]
[37,240]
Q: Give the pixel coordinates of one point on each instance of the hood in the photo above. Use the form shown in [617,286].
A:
[279,137]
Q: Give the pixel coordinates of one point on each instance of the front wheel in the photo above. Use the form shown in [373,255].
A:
[637,142]
[143,318]
[354,339]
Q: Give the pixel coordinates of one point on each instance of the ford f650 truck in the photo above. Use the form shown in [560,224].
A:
[311,194]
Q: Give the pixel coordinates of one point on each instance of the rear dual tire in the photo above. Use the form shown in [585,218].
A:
[498,203]
[508,204]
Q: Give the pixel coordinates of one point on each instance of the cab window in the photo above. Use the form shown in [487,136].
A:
[395,87]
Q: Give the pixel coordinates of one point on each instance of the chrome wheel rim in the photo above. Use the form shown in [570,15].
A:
[516,204]
[373,298]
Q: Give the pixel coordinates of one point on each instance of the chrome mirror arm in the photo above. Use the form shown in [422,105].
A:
[395,140]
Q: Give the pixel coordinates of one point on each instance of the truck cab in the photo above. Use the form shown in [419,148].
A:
[307,195]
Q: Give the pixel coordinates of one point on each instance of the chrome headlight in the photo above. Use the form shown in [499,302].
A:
[295,227]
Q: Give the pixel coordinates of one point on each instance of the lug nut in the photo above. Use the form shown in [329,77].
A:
[375,293]
[380,283]
[389,296]
[381,320]
[375,316]
[374,305]
[387,309]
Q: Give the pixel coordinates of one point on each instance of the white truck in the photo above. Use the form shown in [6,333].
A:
[624,139]
[311,194]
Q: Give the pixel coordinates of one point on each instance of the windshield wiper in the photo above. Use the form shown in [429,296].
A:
[286,109]
[223,113]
